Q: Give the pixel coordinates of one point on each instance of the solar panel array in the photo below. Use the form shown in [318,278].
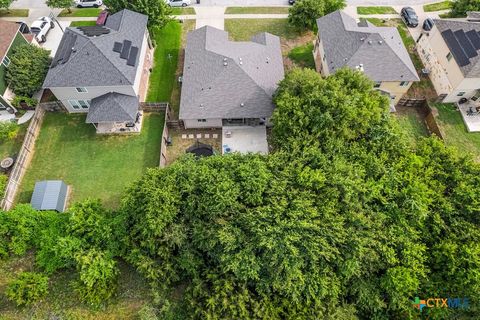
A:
[127,51]
[94,31]
[463,45]
[65,49]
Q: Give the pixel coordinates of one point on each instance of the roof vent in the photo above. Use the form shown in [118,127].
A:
[370,42]
[225,64]
[362,39]
[202,105]
[268,60]
[242,104]
[360,67]
[380,42]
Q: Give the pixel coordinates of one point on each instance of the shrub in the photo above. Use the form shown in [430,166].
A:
[28,288]
[18,100]
[8,130]
[3,183]
[461,7]
[304,13]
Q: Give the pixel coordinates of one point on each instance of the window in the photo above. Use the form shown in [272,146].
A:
[404,84]
[79,104]
[201,120]
[377,84]
[460,94]
[449,56]
[6,61]
[81,90]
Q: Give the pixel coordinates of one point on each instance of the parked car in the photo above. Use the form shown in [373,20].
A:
[102,18]
[409,16]
[179,3]
[428,24]
[88,3]
[23,27]
[41,27]
[292,2]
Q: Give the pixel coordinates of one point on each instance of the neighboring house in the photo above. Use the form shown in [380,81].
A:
[227,83]
[103,71]
[450,52]
[10,37]
[377,51]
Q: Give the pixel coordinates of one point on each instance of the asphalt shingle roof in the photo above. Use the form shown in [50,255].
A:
[8,31]
[379,49]
[113,107]
[472,68]
[92,61]
[227,79]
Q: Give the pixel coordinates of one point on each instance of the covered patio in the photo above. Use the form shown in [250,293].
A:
[244,139]
[470,112]
[115,113]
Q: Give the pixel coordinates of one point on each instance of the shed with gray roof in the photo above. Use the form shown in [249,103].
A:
[224,79]
[378,50]
[50,195]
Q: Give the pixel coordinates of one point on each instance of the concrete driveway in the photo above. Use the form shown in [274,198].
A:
[54,37]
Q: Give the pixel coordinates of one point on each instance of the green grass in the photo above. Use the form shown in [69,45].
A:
[455,132]
[162,78]
[303,56]
[81,12]
[181,11]
[82,23]
[376,10]
[438,6]
[244,29]
[12,147]
[14,13]
[411,126]
[257,10]
[94,165]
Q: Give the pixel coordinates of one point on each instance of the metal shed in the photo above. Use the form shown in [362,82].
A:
[50,195]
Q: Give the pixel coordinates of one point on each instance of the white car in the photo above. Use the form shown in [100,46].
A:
[41,27]
[179,3]
[88,3]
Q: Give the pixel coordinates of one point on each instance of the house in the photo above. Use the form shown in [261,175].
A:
[103,71]
[227,83]
[50,195]
[377,51]
[10,38]
[450,53]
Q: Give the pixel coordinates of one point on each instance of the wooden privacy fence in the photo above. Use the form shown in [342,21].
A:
[160,107]
[414,103]
[23,159]
[427,112]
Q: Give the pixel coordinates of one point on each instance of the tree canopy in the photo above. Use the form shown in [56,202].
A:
[461,7]
[158,11]
[304,13]
[5,4]
[61,4]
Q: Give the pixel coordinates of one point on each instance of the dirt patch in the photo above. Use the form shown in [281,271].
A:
[288,44]
[181,144]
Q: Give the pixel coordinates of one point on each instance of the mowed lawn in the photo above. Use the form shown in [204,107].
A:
[162,79]
[455,132]
[95,166]
[244,29]
[80,12]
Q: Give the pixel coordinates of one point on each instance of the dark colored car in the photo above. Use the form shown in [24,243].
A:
[409,16]
[23,27]
[102,18]
[292,2]
[428,24]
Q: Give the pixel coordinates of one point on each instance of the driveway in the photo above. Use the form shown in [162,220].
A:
[54,37]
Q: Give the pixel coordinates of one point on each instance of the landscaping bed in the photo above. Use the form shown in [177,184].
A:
[96,166]
[438,6]
[375,10]
[81,12]
[257,10]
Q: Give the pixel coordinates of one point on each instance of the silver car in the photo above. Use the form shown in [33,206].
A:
[179,3]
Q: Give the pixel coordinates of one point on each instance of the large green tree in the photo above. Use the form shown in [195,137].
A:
[27,69]
[5,4]
[61,4]
[461,7]
[158,11]
[304,13]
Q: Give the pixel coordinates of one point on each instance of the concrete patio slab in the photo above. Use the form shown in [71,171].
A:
[244,139]
[26,117]
[471,117]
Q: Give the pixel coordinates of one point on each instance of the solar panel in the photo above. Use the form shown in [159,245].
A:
[455,48]
[117,47]
[126,49]
[132,58]
[465,44]
[474,38]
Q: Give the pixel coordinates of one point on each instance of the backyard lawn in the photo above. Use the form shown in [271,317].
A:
[14,13]
[82,23]
[438,6]
[411,124]
[81,12]
[244,29]
[454,130]
[95,166]
[167,46]
[257,10]
[303,56]
[376,10]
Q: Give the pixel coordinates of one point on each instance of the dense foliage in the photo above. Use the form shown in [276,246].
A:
[304,13]
[61,4]
[28,288]
[461,7]
[158,11]
[8,130]
[27,69]
[5,4]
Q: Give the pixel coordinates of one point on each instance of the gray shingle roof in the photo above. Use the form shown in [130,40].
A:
[379,49]
[113,107]
[49,195]
[220,75]
[93,62]
[472,68]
